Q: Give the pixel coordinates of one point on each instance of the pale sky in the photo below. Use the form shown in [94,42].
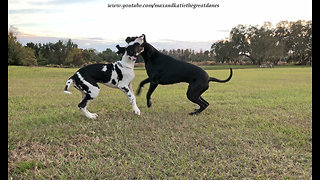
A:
[91,24]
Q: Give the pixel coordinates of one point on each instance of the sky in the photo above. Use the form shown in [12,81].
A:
[93,24]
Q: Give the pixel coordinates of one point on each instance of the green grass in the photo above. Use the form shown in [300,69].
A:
[258,126]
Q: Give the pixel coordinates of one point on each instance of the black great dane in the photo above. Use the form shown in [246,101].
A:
[163,69]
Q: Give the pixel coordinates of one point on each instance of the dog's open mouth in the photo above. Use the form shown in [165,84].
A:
[133,58]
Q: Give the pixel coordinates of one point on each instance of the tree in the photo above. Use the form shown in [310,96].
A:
[29,59]
[109,56]
[288,41]
[239,35]
[224,51]
[17,54]
[91,55]
[301,41]
[14,47]
[264,45]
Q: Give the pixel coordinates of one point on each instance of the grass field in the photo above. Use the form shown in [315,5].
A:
[258,126]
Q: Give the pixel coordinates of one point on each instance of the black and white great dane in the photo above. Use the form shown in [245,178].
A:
[163,69]
[117,75]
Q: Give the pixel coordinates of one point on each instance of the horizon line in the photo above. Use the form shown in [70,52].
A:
[100,44]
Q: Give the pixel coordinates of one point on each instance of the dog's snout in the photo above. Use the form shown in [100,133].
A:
[133,58]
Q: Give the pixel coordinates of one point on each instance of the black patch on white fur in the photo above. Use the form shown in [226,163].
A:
[113,82]
[107,74]
[120,76]
[93,73]
[66,88]
[133,49]
[80,85]
[121,50]
[84,102]
[125,89]
[130,39]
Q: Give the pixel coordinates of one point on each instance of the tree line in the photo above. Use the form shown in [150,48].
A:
[288,42]
[67,53]
[189,55]
[64,53]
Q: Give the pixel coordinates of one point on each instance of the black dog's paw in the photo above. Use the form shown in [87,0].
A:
[149,104]
[195,112]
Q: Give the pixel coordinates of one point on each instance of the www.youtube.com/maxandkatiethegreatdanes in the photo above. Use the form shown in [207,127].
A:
[157,5]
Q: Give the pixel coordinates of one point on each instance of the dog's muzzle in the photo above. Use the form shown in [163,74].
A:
[133,58]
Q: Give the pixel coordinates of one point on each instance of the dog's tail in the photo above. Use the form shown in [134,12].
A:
[68,83]
[221,81]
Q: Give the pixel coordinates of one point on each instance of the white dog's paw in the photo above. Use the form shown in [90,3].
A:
[137,111]
[91,115]
[94,115]
[88,114]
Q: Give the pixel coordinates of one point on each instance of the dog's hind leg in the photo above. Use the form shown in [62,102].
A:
[83,107]
[89,92]
[194,95]
[204,101]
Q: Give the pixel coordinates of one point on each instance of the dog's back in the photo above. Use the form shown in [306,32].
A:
[99,72]
[168,70]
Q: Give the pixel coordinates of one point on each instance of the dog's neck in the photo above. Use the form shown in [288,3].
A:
[149,51]
[126,62]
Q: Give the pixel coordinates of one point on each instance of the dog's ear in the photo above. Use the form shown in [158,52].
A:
[130,39]
[121,50]
[144,38]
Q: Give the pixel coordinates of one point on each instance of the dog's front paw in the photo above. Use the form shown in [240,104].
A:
[137,111]
[94,115]
[149,104]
